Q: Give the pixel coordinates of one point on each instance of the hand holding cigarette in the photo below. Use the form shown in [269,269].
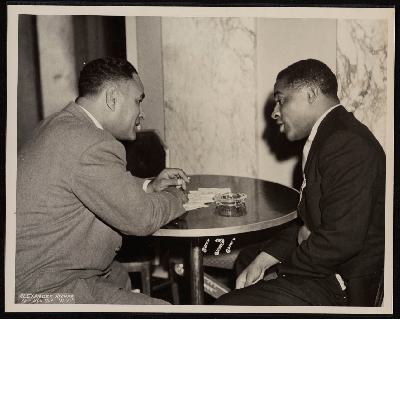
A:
[169,177]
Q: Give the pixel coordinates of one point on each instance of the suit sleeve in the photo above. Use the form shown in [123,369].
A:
[102,183]
[349,169]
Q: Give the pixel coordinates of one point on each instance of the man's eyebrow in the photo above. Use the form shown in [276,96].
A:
[142,96]
[277,92]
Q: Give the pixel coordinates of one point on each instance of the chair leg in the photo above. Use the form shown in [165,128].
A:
[157,255]
[174,283]
[146,286]
[144,268]
[175,293]
[171,279]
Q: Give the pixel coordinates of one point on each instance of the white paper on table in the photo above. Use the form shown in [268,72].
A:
[214,190]
[189,206]
[203,199]
[199,198]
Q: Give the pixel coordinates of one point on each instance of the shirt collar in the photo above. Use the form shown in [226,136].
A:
[318,123]
[97,123]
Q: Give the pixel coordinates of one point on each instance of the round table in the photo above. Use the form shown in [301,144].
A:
[268,204]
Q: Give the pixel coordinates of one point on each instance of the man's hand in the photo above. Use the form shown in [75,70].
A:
[255,271]
[168,177]
[178,193]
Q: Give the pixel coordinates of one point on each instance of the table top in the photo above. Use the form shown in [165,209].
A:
[268,204]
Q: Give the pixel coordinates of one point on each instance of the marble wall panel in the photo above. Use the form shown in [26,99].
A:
[362,71]
[280,43]
[210,94]
[57,62]
[29,110]
[150,68]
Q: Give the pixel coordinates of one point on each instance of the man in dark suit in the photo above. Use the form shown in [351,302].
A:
[333,254]
[75,196]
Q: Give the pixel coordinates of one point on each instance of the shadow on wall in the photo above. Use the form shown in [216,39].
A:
[282,148]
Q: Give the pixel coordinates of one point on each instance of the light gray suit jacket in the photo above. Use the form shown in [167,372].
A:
[74,198]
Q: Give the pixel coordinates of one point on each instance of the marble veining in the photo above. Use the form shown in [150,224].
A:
[362,71]
[57,62]
[209,67]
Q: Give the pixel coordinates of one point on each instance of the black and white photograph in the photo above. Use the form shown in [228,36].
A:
[200,160]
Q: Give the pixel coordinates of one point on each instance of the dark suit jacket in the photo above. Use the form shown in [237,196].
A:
[343,204]
[74,198]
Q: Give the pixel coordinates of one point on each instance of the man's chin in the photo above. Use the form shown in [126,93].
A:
[290,136]
[128,138]
[132,135]
[285,132]
[287,135]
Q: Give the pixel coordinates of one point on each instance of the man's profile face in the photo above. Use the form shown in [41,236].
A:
[129,112]
[292,111]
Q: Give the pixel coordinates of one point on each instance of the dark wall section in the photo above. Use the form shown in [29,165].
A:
[97,37]
[29,111]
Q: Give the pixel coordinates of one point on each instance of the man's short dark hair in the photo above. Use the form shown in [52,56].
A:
[97,73]
[310,72]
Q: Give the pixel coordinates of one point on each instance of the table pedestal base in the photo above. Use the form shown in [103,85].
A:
[196,272]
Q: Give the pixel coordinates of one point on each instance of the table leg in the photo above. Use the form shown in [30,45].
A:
[196,272]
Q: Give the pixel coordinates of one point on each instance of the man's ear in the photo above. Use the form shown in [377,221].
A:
[111,97]
[313,93]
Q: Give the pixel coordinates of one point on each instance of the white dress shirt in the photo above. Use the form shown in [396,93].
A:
[97,123]
[310,139]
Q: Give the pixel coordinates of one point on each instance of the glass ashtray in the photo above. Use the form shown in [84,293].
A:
[230,204]
[230,199]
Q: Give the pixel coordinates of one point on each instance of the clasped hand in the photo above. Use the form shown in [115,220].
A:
[170,178]
[256,270]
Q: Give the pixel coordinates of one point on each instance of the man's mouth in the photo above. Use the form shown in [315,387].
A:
[281,127]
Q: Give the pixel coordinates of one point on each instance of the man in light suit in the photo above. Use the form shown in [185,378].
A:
[75,197]
[333,254]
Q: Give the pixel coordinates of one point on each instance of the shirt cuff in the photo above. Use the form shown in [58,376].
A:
[145,184]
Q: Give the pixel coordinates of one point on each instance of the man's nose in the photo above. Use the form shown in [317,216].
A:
[276,113]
